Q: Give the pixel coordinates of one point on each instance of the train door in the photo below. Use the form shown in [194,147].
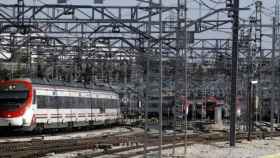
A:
[34,100]
[91,101]
[34,108]
[70,104]
[102,105]
[96,105]
[56,102]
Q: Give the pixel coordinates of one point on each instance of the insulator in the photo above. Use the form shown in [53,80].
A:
[259,4]
[230,14]
[252,19]
[229,4]
[115,29]
[98,2]
[61,1]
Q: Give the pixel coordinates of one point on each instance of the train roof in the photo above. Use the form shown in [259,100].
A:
[63,84]
[71,85]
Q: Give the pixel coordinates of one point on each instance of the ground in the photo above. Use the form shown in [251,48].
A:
[268,148]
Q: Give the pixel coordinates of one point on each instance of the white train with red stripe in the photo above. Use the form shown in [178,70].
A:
[25,104]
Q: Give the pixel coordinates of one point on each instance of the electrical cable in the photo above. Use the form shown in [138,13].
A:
[217,2]
[203,3]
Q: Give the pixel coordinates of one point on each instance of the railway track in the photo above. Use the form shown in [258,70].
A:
[42,147]
[128,152]
[39,148]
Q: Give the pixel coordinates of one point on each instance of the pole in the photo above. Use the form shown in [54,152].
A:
[146,107]
[235,29]
[29,54]
[161,75]
[187,83]
[249,110]
[20,10]
[253,105]
[272,104]
[176,81]
[277,14]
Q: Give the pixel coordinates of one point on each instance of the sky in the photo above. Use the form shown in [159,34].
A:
[192,4]
[195,10]
[134,2]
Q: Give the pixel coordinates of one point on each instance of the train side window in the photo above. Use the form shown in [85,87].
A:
[63,102]
[80,103]
[83,102]
[52,102]
[76,102]
[68,102]
[59,101]
[88,103]
[114,103]
[72,102]
[104,103]
[34,101]
[110,102]
[41,101]
[101,107]
[93,102]
[98,103]
[107,103]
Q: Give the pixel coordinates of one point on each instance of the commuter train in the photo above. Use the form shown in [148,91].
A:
[30,105]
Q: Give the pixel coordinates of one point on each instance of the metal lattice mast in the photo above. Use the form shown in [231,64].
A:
[259,53]
[259,39]
[272,104]
[147,83]
[181,86]
[275,31]
[255,57]
[277,14]
[258,28]
[184,13]
[20,11]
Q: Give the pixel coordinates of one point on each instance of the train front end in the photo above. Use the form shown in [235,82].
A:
[16,109]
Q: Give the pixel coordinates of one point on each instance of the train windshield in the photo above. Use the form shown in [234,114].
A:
[12,95]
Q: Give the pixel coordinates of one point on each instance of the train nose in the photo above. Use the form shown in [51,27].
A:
[5,122]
